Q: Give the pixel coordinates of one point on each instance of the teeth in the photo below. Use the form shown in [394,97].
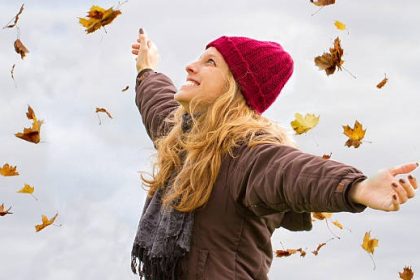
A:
[191,83]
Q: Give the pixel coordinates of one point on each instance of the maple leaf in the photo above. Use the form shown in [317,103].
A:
[4,212]
[45,222]
[340,25]
[20,48]
[303,124]
[289,252]
[323,2]
[382,83]
[98,17]
[355,134]
[332,60]
[31,134]
[318,248]
[8,170]
[407,273]
[14,19]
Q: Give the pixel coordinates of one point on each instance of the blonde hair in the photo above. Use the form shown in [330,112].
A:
[226,123]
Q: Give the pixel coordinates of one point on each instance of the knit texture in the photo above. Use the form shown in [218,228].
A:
[261,68]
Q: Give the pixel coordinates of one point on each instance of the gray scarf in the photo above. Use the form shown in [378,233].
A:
[163,234]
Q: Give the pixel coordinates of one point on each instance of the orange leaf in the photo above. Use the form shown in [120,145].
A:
[382,83]
[325,156]
[20,48]
[332,60]
[45,222]
[8,170]
[321,215]
[323,2]
[338,224]
[14,19]
[31,134]
[98,17]
[4,212]
[407,273]
[103,110]
[355,134]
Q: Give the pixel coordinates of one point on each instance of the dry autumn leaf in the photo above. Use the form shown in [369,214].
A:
[323,2]
[31,134]
[45,222]
[369,245]
[407,273]
[321,215]
[289,252]
[28,189]
[338,224]
[4,212]
[325,156]
[382,83]
[340,25]
[14,19]
[318,248]
[8,170]
[125,89]
[98,17]
[20,48]
[355,134]
[303,124]
[332,60]
[103,110]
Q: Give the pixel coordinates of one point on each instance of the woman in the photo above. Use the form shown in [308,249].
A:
[227,176]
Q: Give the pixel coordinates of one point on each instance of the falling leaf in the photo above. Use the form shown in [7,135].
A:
[325,156]
[338,224]
[98,17]
[289,252]
[12,72]
[355,134]
[45,222]
[8,170]
[323,2]
[4,212]
[20,48]
[369,244]
[14,19]
[407,273]
[103,110]
[332,60]
[340,25]
[317,249]
[31,134]
[321,215]
[26,189]
[382,83]
[303,124]
[125,89]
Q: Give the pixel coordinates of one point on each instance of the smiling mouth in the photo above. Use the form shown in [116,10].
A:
[190,84]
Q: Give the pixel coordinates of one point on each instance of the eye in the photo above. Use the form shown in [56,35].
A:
[211,61]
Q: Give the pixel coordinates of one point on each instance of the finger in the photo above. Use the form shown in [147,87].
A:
[405,168]
[408,188]
[143,38]
[395,203]
[136,52]
[402,194]
[135,46]
[412,181]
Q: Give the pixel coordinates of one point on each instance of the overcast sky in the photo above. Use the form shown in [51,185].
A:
[88,173]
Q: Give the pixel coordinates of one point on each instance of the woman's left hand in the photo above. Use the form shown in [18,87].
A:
[385,192]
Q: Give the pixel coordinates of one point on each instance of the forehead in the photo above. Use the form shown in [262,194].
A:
[212,51]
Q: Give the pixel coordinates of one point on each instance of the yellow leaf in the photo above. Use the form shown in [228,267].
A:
[8,170]
[303,124]
[45,222]
[340,25]
[31,134]
[98,17]
[338,224]
[26,189]
[355,134]
[369,244]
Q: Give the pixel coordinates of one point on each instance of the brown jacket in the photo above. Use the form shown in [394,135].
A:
[257,191]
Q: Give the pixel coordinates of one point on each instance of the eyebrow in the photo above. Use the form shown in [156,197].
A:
[209,55]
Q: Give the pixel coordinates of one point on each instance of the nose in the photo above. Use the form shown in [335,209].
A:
[191,68]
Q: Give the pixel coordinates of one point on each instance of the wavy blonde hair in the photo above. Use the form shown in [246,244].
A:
[225,124]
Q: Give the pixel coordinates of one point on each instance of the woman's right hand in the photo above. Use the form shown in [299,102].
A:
[147,55]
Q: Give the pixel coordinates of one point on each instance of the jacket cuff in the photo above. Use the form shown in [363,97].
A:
[143,74]
[344,187]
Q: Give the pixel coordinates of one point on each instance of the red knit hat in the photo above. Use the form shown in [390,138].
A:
[261,68]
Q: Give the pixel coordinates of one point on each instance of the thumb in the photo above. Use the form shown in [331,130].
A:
[143,38]
[405,168]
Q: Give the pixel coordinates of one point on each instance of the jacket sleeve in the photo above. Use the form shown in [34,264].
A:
[270,178]
[155,101]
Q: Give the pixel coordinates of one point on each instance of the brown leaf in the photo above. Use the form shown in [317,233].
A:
[15,19]
[323,2]
[321,215]
[125,89]
[382,83]
[332,60]
[20,48]
[31,134]
[8,170]
[325,156]
[317,249]
[289,252]
[4,212]
[407,273]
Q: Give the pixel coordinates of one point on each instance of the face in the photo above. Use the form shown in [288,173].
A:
[206,78]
